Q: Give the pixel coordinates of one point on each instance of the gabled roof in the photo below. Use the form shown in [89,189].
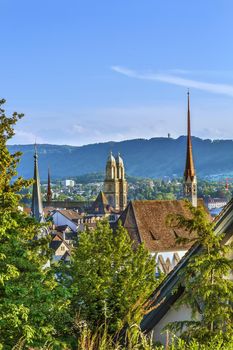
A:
[145,220]
[56,236]
[69,214]
[55,244]
[62,228]
[163,294]
[66,236]
[100,205]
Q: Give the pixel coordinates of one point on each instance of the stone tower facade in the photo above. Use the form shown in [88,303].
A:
[190,180]
[115,184]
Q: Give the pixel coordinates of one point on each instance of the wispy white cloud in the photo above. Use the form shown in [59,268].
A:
[173,79]
[204,72]
[26,137]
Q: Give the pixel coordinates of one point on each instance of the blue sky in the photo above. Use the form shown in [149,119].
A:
[86,71]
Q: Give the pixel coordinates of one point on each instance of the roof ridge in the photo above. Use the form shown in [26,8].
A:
[136,222]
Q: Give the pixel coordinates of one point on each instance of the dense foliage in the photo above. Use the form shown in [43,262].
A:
[110,279]
[30,306]
[208,289]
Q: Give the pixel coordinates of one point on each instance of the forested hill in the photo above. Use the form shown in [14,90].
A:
[156,157]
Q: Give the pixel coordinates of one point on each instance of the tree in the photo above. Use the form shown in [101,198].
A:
[110,278]
[31,301]
[208,290]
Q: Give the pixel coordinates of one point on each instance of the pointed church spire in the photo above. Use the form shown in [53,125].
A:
[190,181]
[49,191]
[37,206]
[189,167]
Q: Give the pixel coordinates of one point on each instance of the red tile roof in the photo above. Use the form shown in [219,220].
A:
[145,221]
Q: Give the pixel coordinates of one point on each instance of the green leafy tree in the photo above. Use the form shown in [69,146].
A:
[111,278]
[208,288]
[31,302]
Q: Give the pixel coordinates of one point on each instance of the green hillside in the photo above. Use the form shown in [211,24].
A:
[157,157]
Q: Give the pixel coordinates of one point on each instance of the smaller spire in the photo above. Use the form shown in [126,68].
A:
[37,206]
[49,191]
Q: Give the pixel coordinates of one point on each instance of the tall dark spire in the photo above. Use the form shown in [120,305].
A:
[37,206]
[189,167]
[190,181]
[49,191]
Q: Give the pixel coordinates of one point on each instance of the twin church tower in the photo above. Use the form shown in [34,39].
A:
[115,184]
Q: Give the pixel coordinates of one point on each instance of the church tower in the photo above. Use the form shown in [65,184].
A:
[37,206]
[122,182]
[115,184]
[111,183]
[190,180]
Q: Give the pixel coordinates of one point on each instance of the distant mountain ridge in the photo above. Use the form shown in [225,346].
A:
[156,157]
